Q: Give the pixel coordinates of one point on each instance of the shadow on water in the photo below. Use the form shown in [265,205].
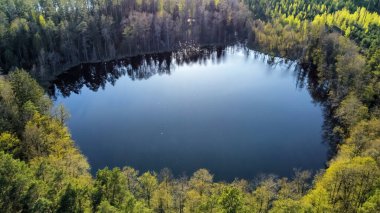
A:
[141,67]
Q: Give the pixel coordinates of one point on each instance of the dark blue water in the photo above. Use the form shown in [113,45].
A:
[229,112]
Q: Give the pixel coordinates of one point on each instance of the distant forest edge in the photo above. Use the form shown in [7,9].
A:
[46,36]
[336,42]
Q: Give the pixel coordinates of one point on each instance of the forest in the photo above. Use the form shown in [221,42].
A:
[42,170]
[47,36]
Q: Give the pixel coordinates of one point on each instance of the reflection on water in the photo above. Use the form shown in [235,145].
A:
[95,76]
[233,111]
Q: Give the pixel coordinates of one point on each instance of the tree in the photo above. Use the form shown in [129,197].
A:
[131,176]
[365,139]
[287,206]
[44,136]
[201,180]
[61,114]
[15,179]
[9,143]
[26,89]
[346,185]
[74,199]
[372,205]
[264,194]
[9,111]
[231,200]
[110,186]
[148,183]
[351,111]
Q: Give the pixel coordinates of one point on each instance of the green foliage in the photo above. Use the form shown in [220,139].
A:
[110,187]
[201,180]
[148,183]
[287,206]
[29,97]
[106,207]
[365,139]
[9,143]
[27,89]
[9,114]
[231,200]
[74,200]
[41,170]
[372,205]
[346,185]
[53,162]
[44,136]
[351,111]
[15,179]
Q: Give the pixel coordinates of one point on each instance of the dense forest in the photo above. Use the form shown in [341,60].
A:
[48,36]
[336,42]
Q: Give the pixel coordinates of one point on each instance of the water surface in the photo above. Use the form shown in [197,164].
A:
[230,111]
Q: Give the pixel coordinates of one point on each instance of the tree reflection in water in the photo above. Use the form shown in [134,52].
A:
[141,67]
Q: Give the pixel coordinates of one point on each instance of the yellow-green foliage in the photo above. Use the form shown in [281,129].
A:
[353,177]
[347,21]
[10,143]
[346,184]
[286,36]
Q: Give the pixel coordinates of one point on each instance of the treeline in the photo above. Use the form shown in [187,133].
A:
[49,36]
[306,9]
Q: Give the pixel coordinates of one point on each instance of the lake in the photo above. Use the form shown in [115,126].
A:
[234,111]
